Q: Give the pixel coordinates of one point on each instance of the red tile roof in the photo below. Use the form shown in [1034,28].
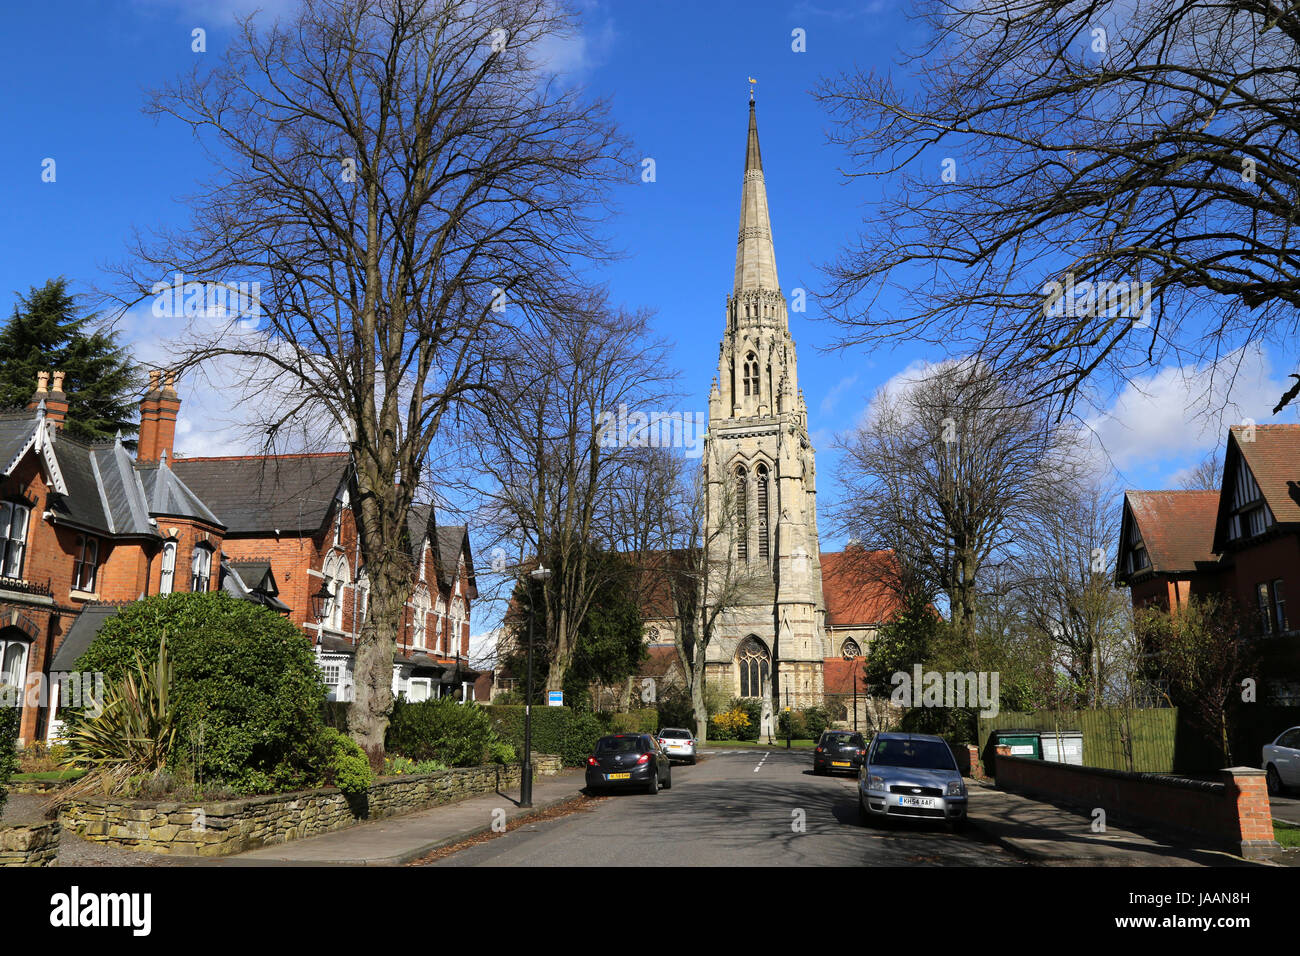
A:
[837,675]
[859,586]
[1177,527]
[1274,460]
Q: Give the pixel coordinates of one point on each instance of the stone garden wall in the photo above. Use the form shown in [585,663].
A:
[233,826]
[29,845]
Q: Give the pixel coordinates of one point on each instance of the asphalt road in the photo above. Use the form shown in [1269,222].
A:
[757,808]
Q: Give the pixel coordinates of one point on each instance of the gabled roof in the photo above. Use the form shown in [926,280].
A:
[168,495]
[293,494]
[448,544]
[859,586]
[22,431]
[1272,453]
[1177,528]
[252,580]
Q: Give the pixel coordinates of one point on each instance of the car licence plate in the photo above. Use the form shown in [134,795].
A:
[618,776]
[916,801]
[840,763]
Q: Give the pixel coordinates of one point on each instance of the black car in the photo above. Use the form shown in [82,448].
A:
[629,760]
[839,751]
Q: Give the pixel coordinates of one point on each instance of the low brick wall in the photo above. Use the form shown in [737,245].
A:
[1229,813]
[34,844]
[233,826]
[968,760]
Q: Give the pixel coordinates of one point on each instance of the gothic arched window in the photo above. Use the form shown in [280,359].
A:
[751,374]
[742,517]
[755,666]
[762,512]
[850,650]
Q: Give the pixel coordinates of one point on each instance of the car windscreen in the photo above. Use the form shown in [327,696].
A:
[671,734]
[913,754]
[619,745]
[844,740]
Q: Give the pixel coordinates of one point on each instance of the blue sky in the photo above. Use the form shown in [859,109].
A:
[75,74]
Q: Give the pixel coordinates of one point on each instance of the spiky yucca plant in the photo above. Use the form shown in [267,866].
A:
[134,734]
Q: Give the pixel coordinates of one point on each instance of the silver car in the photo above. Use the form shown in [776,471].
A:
[912,776]
[679,743]
[1281,761]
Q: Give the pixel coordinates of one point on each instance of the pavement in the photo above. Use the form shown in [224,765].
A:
[398,840]
[1056,836]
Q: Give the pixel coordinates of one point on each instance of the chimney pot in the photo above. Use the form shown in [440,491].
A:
[42,382]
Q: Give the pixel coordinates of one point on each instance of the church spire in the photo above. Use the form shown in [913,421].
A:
[755,255]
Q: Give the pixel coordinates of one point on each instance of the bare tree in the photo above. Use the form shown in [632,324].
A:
[411,189]
[556,444]
[1068,589]
[1206,475]
[1046,158]
[944,473]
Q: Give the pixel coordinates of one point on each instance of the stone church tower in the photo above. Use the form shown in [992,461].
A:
[761,482]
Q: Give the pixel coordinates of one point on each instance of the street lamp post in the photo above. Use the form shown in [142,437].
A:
[540,575]
[852,658]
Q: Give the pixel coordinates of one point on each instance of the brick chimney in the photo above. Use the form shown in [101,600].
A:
[169,406]
[56,403]
[147,444]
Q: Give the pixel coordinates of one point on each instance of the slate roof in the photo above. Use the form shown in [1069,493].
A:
[168,495]
[858,586]
[259,494]
[15,435]
[1177,527]
[450,541]
[79,636]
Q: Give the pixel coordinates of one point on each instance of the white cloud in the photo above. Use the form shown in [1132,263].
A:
[1174,412]
[833,396]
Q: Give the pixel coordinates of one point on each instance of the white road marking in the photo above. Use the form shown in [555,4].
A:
[760,763]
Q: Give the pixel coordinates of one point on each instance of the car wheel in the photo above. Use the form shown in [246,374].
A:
[653,786]
[1274,781]
[692,761]
[668,780]
[957,826]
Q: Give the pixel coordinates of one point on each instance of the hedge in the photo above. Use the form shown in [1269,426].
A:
[556,730]
[635,722]
[8,749]
[440,728]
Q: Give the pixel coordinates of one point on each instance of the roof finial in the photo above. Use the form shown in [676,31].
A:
[752,81]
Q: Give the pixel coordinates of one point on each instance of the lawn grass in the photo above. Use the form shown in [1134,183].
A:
[45,776]
[1287,834]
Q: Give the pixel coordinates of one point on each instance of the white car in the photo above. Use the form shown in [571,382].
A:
[679,743]
[1281,761]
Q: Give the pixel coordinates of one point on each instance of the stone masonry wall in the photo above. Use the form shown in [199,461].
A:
[233,826]
[32,845]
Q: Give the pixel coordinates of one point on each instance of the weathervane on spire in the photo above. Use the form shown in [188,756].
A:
[752,81]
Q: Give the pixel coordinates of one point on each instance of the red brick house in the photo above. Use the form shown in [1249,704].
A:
[86,527]
[1241,541]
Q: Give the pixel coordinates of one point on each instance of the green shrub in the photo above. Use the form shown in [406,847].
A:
[676,711]
[247,692]
[8,750]
[346,766]
[501,752]
[456,734]
[793,724]
[556,730]
[816,720]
